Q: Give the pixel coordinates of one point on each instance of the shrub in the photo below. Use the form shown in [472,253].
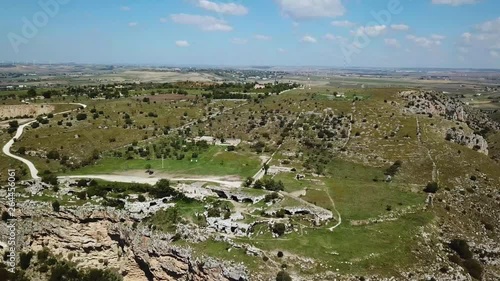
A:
[42,255]
[21,150]
[280,254]
[455,259]
[279,228]
[431,187]
[461,248]
[25,260]
[141,198]
[394,168]
[82,195]
[280,213]
[270,197]
[56,206]
[5,216]
[474,268]
[50,179]
[53,154]
[81,116]
[283,276]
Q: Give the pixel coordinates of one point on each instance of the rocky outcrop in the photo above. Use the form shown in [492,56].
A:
[472,141]
[437,104]
[100,237]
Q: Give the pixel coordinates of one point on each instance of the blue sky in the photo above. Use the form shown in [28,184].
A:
[338,33]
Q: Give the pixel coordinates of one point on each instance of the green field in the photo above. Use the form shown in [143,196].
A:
[216,162]
[377,248]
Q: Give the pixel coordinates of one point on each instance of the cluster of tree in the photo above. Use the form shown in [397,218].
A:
[269,184]
[225,95]
[172,148]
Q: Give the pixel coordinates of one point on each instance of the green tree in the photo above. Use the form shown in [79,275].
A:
[32,92]
[5,216]
[25,260]
[279,228]
[266,168]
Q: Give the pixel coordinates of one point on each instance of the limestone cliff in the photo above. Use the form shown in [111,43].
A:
[99,237]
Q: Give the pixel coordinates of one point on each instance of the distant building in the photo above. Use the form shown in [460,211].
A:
[259,86]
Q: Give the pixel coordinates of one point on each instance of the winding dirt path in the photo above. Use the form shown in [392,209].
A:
[6,148]
[152,180]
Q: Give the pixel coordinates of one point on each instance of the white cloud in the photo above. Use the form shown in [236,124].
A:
[400,27]
[133,24]
[223,8]
[463,50]
[206,23]
[281,50]
[307,9]
[308,39]
[182,43]
[163,20]
[494,54]
[263,37]
[391,42]
[424,41]
[239,41]
[125,8]
[437,37]
[454,2]
[466,37]
[343,23]
[372,31]
[486,33]
[492,26]
[332,37]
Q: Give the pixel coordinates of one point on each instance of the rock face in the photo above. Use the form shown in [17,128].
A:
[99,237]
[472,141]
[432,103]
